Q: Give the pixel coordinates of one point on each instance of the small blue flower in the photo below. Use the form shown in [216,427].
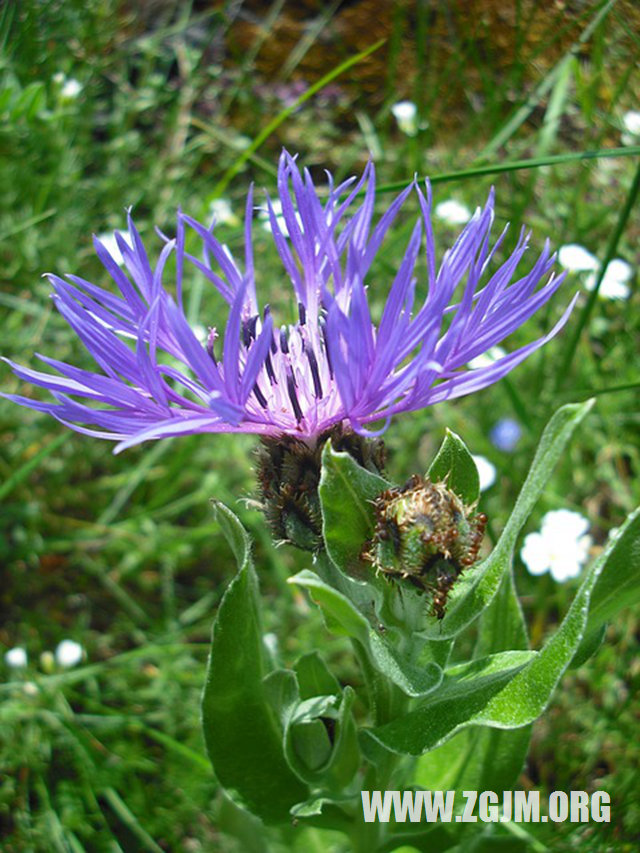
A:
[506,434]
[154,377]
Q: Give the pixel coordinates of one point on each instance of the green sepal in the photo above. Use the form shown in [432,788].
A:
[346,492]
[454,463]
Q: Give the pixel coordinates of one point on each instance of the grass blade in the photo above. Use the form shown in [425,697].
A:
[275,123]
[593,295]
[544,87]
[518,165]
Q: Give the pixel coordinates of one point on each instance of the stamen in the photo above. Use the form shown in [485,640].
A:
[302,313]
[284,343]
[270,371]
[210,342]
[293,396]
[260,396]
[266,313]
[315,373]
[249,330]
[323,328]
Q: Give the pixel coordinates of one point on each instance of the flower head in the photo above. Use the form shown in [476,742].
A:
[452,212]
[155,378]
[16,657]
[615,281]
[406,114]
[561,547]
[69,653]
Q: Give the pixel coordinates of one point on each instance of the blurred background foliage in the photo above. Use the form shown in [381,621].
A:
[160,104]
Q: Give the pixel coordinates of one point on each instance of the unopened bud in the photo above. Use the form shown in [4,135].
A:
[426,535]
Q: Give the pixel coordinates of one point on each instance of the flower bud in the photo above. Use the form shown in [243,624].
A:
[426,535]
[289,475]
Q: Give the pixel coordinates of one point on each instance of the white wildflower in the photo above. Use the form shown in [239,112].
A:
[406,114]
[16,658]
[263,216]
[560,547]
[108,240]
[615,284]
[69,653]
[452,212]
[631,124]
[70,88]
[576,258]
[221,210]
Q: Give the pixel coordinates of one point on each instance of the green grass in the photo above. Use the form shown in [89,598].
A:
[180,104]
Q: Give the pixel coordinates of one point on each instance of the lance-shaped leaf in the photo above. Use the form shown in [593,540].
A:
[465,691]
[242,734]
[341,615]
[618,585]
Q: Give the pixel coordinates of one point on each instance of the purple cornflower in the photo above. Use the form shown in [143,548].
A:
[156,378]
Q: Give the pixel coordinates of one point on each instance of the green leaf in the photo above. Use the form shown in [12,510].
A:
[347,491]
[281,692]
[308,745]
[321,742]
[314,679]
[526,697]
[242,735]
[475,590]
[617,586]
[475,759]
[466,689]
[453,462]
[233,532]
[502,626]
[343,618]
[483,759]
[341,615]
[412,679]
